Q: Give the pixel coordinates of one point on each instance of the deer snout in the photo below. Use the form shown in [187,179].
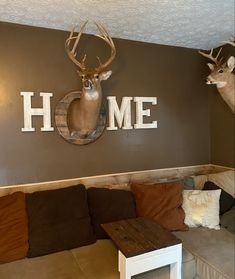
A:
[87,84]
[209,80]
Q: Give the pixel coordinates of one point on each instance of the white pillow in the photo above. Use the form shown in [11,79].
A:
[201,208]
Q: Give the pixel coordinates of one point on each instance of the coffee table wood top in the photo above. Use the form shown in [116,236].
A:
[138,236]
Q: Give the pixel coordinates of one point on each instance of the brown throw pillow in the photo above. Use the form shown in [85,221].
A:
[109,205]
[13,228]
[162,203]
[226,201]
[58,220]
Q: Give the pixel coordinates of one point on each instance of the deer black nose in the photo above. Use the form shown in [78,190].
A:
[87,83]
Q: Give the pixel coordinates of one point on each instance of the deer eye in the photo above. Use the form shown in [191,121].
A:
[220,71]
[96,76]
[82,76]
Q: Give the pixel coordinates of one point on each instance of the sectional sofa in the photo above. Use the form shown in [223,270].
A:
[63,238]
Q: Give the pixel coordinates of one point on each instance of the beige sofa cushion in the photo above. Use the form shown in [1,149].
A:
[61,265]
[213,250]
[100,261]
[96,261]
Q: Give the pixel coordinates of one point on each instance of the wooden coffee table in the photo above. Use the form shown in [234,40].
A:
[144,245]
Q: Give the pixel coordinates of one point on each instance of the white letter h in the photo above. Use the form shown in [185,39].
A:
[45,111]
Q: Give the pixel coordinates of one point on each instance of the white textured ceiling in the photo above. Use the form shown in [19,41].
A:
[188,23]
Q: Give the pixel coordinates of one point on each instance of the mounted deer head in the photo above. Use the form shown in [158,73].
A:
[221,75]
[85,111]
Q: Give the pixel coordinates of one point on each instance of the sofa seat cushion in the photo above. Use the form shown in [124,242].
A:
[96,261]
[61,265]
[213,251]
[100,261]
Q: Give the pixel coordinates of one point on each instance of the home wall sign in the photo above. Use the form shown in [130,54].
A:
[119,117]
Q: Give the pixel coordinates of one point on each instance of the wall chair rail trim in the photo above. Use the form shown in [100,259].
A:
[117,180]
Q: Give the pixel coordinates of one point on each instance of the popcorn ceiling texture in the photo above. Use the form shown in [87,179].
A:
[188,23]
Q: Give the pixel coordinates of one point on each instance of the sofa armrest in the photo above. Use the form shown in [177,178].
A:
[227,220]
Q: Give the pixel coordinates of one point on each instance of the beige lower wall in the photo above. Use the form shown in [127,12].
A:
[118,180]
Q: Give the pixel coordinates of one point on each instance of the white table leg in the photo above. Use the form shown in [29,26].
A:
[175,271]
[123,267]
[151,260]
[175,268]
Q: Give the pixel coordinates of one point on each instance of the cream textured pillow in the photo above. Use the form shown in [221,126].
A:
[201,208]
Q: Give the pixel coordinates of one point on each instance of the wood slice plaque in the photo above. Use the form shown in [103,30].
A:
[61,121]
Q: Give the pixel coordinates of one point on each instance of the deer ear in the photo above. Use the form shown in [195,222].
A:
[231,63]
[105,75]
[211,66]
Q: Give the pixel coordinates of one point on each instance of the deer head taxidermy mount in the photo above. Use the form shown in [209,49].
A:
[84,112]
[222,75]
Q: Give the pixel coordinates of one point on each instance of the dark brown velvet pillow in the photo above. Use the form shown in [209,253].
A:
[58,220]
[109,205]
[226,201]
[162,203]
[13,228]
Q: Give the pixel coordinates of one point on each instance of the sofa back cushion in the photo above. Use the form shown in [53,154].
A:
[225,180]
[58,220]
[226,201]
[109,205]
[162,203]
[13,227]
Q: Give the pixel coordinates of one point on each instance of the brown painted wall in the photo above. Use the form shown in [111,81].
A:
[33,59]
[222,125]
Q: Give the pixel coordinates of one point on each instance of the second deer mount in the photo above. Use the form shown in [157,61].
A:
[222,75]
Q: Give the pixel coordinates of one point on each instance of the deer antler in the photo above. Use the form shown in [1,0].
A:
[72,53]
[231,41]
[210,56]
[105,36]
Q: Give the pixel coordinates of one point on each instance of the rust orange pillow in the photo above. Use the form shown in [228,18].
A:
[162,203]
[13,227]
